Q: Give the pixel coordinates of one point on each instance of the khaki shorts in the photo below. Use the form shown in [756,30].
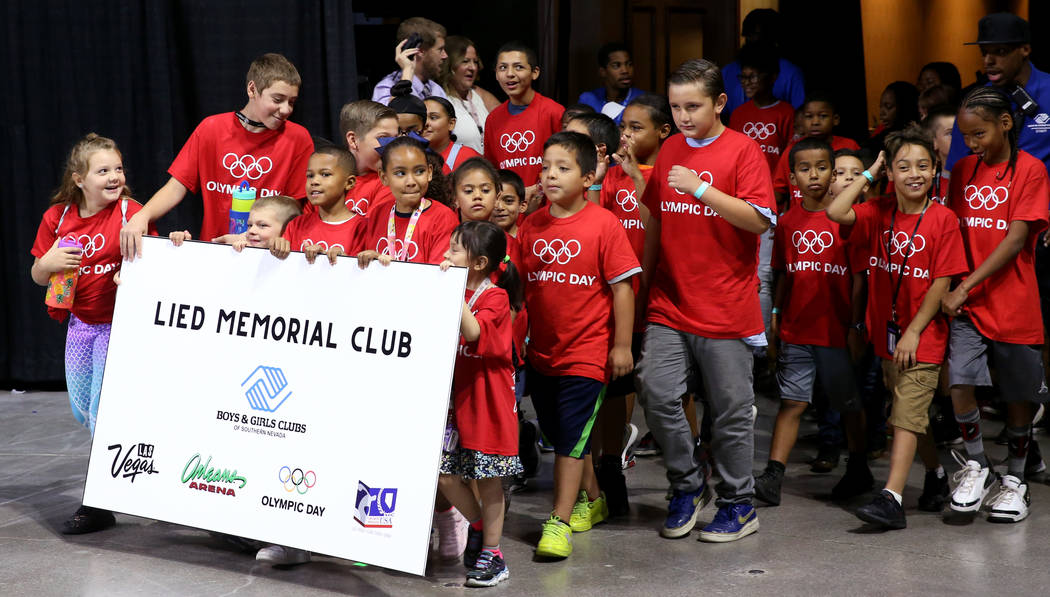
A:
[913,391]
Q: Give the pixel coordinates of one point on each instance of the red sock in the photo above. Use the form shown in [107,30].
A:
[495,551]
[476,525]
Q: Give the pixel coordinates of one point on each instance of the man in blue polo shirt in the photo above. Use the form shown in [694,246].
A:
[1005,40]
[617,72]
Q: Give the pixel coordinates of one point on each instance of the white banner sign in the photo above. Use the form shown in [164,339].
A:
[297,404]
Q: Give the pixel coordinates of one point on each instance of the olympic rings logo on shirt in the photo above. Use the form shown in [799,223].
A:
[517,141]
[985,197]
[324,245]
[899,244]
[705,176]
[246,166]
[625,199]
[759,130]
[810,241]
[296,480]
[90,244]
[556,250]
[359,206]
[383,248]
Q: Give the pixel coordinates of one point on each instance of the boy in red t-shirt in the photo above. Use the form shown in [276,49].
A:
[510,203]
[577,264]
[517,129]
[913,249]
[363,123]
[818,120]
[257,144]
[1000,195]
[811,315]
[764,118]
[331,227]
[709,199]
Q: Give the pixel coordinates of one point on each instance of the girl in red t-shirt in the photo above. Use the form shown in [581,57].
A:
[1000,195]
[481,440]
[441,119]
[91,205]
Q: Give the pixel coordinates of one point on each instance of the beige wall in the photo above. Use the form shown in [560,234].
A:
[902,35]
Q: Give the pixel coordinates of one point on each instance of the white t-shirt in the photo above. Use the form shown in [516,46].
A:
[470,119]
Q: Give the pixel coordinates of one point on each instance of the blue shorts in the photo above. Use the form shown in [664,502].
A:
[566,407]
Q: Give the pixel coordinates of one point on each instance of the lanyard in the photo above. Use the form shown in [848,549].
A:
[481,288]
[906,251]
[391,233]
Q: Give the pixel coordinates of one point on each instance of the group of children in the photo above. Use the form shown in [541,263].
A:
[644,250]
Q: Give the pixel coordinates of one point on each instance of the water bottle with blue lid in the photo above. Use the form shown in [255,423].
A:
[241,203]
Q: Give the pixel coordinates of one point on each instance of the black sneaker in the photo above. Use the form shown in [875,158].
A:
[767,487]
[647,446]
[827,459]
[856,481]
[614,484]
[88,520]
[488,571]
[935,492]
[883,511]
[474,542]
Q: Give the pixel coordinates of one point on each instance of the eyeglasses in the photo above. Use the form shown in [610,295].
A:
[752,78]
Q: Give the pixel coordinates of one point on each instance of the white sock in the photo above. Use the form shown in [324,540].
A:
[895,495]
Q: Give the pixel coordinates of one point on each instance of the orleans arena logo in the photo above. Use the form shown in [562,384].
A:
[202,476]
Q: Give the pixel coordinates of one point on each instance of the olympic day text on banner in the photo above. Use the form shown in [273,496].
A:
[297,404]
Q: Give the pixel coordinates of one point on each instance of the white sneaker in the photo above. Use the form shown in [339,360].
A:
[1011,503]
[630,437]
[972,484]
[452,533]
[279,555]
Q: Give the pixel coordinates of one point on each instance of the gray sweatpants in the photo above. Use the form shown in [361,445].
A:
[671,362]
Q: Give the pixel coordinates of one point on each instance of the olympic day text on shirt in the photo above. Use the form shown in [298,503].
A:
[558,252]
[629,215]
[518,142]
[811,242]
[759,131]
[901,248]
[985,198]
[690,206]
[243,167]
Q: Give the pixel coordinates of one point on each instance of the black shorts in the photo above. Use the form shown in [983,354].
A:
[566,407]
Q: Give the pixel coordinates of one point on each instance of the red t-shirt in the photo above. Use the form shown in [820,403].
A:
[310,229]
[100,236]
[706,280]
[936,252]
[464,154]
[782,173]
[521,318]
[221,153]
[1005,307]
[429,240]
[771,127]
[368,190]
[568,266]
[618,196]
[483,381]
[808,246]
[515,142]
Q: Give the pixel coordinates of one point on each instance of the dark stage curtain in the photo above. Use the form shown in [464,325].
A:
[145,73]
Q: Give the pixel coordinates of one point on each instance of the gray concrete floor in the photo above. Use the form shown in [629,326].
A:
[806,546]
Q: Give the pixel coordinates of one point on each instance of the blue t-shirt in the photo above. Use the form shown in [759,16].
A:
[1034,134]
[595,98]
[789,86]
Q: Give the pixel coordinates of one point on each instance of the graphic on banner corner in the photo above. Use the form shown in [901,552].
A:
[375,506]
[266,389]
[129,464]
[297,483]
[200,475]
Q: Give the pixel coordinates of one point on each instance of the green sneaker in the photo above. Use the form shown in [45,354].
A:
[556,540]
[586,514]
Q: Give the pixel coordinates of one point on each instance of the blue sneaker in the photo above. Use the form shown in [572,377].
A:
[682,511]
[732,522]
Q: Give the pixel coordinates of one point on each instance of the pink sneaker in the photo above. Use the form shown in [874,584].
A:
[452,533]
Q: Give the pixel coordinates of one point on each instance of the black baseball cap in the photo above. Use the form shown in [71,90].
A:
[1002,28]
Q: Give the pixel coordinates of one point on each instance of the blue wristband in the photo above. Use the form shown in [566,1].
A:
[699,192]
[594,187]
[866,174]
